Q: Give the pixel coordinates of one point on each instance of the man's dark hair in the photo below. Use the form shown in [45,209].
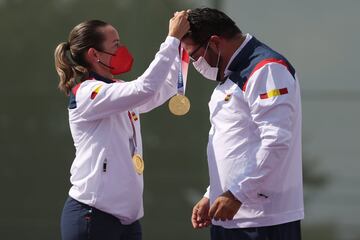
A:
[205,22]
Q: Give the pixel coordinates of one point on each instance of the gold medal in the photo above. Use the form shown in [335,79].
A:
[138,163]
[179,105]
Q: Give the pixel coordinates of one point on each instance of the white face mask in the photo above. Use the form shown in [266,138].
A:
[204,68]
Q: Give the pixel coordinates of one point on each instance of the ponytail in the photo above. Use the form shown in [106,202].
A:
[70,63]
[67,69]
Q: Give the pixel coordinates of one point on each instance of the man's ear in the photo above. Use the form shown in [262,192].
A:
[214,42]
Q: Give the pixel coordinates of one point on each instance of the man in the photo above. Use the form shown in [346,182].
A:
[254,148]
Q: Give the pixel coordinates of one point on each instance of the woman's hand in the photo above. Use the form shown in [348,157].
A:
[179,25]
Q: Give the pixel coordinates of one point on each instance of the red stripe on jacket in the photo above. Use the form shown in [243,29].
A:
[263,63]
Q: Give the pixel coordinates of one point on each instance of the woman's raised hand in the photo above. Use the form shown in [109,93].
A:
[179,25]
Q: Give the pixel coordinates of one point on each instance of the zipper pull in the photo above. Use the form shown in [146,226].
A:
[262,195]
[104,165]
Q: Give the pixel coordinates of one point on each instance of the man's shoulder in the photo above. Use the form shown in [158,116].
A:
[258,55]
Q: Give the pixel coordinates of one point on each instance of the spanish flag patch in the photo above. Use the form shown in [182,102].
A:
[95,92]
[274,93]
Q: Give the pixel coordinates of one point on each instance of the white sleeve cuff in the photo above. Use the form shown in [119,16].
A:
[172,40]
[207,193]
[239,196]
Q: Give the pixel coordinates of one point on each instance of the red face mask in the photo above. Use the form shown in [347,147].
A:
[120,62]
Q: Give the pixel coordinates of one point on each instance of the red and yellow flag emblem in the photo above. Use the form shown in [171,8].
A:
[95,92]
[274,93]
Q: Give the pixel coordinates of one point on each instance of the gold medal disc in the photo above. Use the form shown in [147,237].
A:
[179,105]
[138,163]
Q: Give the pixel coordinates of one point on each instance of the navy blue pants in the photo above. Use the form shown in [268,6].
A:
[82,222]
[286,231]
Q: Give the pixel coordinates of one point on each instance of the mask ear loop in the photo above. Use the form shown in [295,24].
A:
[104,64]
[207,46]
[218,60]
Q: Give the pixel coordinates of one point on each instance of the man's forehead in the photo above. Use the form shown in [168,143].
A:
[188,44]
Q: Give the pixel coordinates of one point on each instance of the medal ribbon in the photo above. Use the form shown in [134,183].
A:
[184,65]
[134,133]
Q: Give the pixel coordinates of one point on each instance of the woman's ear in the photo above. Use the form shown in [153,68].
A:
[92,56]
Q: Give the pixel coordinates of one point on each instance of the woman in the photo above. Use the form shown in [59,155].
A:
[105,200]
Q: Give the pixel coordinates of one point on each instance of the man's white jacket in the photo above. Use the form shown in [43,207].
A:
[254,147]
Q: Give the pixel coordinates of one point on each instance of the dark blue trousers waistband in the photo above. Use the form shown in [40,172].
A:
[82,222]
[286,231]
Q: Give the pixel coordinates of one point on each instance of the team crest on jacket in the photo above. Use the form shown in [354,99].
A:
[134,116]
[227,97]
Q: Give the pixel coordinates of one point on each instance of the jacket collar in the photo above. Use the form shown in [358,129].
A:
[243,55]
[94,75]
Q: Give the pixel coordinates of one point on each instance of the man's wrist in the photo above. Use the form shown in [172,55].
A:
[231,195]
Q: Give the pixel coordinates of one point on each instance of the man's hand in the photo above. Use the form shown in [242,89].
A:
[225,207]
[200,214]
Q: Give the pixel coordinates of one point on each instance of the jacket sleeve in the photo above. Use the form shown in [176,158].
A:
[271,95]
[207,193]
[96,99]
[167,90]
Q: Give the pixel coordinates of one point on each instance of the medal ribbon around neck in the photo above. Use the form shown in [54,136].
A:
[182,76]
[137,159]
[180,104]
[133,128]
